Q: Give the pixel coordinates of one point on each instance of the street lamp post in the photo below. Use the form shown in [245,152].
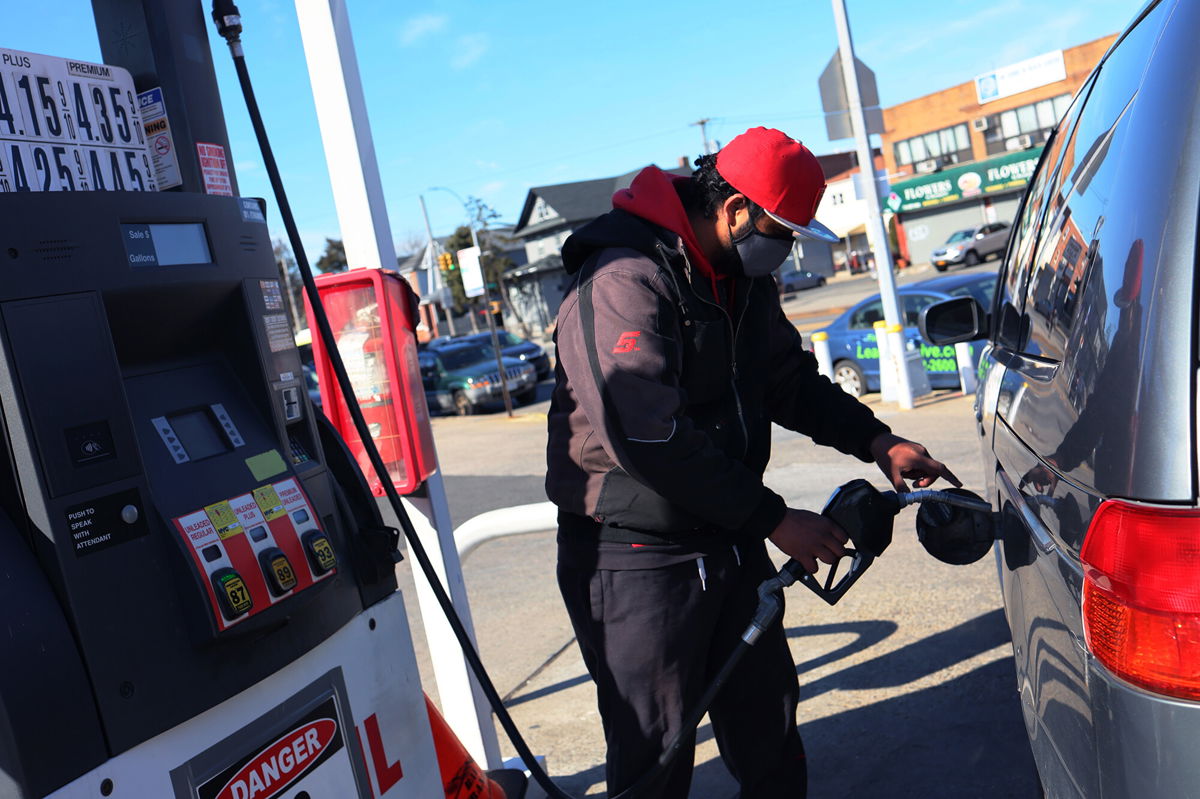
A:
[875,230]
[491,318]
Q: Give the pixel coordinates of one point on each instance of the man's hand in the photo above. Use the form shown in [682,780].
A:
[898,458]
[1041,477]
[807,537]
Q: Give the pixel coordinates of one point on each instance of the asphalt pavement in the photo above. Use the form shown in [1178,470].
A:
[907,685]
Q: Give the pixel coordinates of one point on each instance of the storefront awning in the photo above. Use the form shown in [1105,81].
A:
[968,182]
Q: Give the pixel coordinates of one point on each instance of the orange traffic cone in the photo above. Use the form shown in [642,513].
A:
[462,777]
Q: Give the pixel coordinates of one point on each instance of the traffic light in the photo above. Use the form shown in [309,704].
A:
[446,262]
[495,304]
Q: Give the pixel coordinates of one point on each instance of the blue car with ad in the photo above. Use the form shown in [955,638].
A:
[855,353]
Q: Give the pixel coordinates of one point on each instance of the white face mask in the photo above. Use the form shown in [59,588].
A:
[759,253]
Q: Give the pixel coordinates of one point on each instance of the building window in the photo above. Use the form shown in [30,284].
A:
[1005,130]
[541,212]
[951,145]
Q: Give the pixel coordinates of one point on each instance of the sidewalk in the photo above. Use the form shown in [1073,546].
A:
[907,684]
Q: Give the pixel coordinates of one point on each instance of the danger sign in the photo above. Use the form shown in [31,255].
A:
[311,755]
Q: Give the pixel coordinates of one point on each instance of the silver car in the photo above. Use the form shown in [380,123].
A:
[798,280]
[970,246]
[1087,414]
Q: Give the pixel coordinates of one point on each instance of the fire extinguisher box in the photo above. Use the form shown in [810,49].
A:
[372,313]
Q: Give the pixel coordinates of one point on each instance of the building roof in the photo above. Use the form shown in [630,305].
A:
[581,201]
[548,263]
[854,170]
[837,163]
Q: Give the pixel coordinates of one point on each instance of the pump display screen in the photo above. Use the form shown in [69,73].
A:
[199,433]
[166,245]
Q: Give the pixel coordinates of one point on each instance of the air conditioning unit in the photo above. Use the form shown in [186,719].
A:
[1022,142]
[979,124]
[927,166]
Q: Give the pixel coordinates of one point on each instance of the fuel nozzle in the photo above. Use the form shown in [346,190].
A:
[228,20]
[954,525]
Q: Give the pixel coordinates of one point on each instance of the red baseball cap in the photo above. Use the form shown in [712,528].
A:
[780,174]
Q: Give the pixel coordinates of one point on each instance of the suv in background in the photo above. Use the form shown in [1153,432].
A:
[460,378]
[969,247]
[511,345]
[1087,412]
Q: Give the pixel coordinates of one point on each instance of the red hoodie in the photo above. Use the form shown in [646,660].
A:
[652,196]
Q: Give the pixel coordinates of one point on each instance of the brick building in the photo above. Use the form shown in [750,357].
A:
[961,157]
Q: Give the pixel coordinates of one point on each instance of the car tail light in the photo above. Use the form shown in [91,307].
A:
[1141,595]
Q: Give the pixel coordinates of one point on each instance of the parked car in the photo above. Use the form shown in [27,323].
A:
[1087,413]
[852,343]
[511,345]
[970,246]
[462,377]
[798,280]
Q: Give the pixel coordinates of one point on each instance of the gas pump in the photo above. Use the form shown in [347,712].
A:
[186,574]
[199,589]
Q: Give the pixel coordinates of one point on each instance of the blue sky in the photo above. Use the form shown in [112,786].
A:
[492,98]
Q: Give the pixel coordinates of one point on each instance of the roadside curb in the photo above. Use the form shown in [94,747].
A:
[818,314]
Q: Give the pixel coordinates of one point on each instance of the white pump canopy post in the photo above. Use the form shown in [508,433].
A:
[366,233]
[346,134]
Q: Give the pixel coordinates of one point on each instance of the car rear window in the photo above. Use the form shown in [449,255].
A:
[459,357]
[984,291]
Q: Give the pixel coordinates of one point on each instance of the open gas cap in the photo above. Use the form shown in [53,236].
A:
[953,534]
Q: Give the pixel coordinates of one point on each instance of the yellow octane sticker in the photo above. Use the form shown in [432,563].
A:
[269,502]
[324,553]
[283,573]
[239,596]
[224,519]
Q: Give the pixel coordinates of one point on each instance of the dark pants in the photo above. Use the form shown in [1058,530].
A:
[653,638]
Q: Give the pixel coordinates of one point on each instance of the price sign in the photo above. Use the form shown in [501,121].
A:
[69,126]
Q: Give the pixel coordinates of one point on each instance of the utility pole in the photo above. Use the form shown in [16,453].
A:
[703,123]
[487,301]
[875,232]
[435,269]
[285,266]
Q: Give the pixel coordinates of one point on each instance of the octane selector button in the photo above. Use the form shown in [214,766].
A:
[278,570]
[320,552]
[232,594]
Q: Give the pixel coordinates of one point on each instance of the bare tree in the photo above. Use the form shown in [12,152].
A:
[410,242]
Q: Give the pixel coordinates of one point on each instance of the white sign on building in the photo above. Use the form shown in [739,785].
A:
[1021,76]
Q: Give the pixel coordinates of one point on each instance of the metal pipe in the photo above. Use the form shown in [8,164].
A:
[945,497]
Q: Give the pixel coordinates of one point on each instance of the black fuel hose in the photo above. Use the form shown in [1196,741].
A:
[229,26]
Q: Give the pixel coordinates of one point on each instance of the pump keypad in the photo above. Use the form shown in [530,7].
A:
[232,594]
